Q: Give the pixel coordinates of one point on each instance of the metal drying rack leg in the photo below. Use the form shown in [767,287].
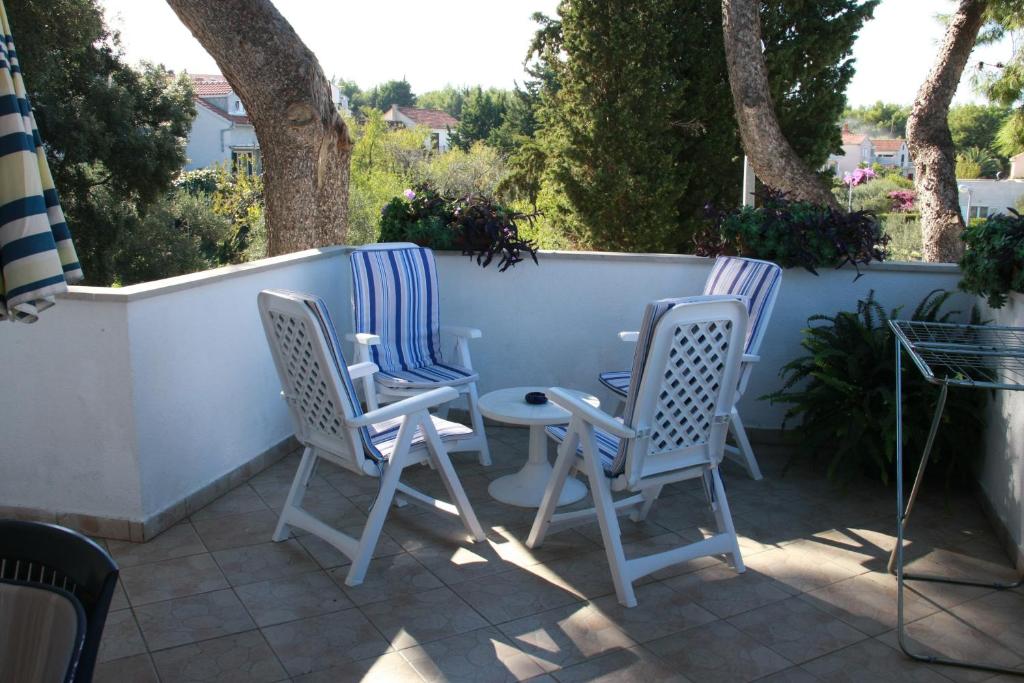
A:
[903,516]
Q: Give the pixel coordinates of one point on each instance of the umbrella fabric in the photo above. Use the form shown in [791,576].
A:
[37,258]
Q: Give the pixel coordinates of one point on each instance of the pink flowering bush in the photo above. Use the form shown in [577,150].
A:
[903,200]
[859,176]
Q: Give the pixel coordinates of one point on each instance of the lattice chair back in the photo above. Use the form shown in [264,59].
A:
[394,296]
[314,377]
[685,373]
[758,282]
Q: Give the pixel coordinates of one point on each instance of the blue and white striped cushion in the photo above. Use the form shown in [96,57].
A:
[395,298]
[379,438]
[607,446]
[616,380]
[757,281]
[427,376]
[385,434]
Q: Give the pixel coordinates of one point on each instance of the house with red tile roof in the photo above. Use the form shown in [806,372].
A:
[439,123]
[861,150]
[221,131]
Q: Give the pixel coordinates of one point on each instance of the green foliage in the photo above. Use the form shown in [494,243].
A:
[977,125]
[880,118]
[874,195]
[113,134]
[448,98]
[904,233]
[474,225]
[482,112]
[975,162]
[844,394]
[993,262]
[795,233]
[631,123]
[382,96]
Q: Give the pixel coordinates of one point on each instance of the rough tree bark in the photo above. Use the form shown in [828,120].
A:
[769,152]
[930,142]
[305,144]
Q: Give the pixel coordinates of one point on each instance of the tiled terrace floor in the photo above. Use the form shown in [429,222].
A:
[213,599]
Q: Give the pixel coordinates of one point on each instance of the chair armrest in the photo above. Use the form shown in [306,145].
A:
[364,338]
[750,358]
[463,332]
[406,406]
[359,370]
[589,413]
[630,336]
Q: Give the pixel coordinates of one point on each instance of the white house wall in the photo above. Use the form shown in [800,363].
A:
[206,145]
[997,195]
[241,137]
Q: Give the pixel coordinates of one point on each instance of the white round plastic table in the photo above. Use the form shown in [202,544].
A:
[526,487]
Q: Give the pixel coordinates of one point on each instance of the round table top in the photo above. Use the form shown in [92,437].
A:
[510,406]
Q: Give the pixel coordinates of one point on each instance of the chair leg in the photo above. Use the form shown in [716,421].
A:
[297,491]
[723,517]
[740,434]
[553,491]
[608,520]
[379,511]
[650,495]
[443,465]
[477,424]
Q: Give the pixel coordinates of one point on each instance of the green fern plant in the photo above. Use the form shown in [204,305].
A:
[844,395]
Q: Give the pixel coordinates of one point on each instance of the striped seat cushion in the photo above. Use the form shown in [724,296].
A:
[616,380]
[426,377]
[607,446]
[384,435]
[378,439]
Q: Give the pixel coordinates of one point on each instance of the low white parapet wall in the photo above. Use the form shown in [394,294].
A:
[126,404]
[1002,471]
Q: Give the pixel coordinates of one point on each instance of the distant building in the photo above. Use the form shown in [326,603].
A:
[221,131]
[440,123]
[860,150]
[1017,166]
[983,197]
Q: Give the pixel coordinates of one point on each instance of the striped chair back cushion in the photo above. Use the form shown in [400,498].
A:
[653,312]
[394,294]
[295,343]
[757,282]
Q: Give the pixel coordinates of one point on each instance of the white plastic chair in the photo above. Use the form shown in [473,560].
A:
[396,327]
[757,283]
[685,374]
[331,425]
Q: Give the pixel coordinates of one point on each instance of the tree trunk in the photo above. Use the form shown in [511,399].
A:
[769,152]
[305,144]
[930,142]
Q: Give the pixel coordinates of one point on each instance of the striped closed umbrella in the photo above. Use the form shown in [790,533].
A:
[37,258]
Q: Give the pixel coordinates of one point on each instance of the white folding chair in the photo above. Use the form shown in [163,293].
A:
[331,425]
[685,374]
[396,327]
[757,283]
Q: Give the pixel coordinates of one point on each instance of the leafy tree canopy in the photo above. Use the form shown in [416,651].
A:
[879,119]
[633,118]
[448,98]
[108,128]
[384,95]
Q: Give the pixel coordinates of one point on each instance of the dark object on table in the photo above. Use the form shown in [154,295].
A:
[34,553]
[537,398]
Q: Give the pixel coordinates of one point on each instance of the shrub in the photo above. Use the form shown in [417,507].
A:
[904,233]
[844,394]
[874,195]
[795,233]
[475,225]
[993,262]
[902,200]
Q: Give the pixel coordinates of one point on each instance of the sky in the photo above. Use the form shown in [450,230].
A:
[484,42]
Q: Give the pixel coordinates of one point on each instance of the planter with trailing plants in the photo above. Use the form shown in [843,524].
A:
[476,226]
[794,234]
[842,398]
[993,261]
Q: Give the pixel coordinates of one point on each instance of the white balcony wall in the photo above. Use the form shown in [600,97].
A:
[129,400]
[1002,472]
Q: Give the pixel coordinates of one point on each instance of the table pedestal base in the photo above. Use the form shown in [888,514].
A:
[526,487]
